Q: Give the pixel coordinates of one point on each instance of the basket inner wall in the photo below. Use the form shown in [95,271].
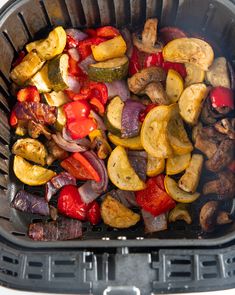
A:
[28,19]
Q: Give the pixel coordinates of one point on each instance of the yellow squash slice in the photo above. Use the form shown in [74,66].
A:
[177,164]
[53,45]
[194,74]
[174,85]
[31,174]
[189,50]
[178,194]
[154,132]
[155,166]
[121,172]
[133,143]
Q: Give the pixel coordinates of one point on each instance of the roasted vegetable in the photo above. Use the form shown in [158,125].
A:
[116,215]
[156,93]
[154,132]
[194,74]
[174,85]
[29,66]
[180,212]
[26,202]
[208,215]
[226,126]
[30,149]
[218,74]
[60,230]
[133,143]
[176,133]
[148,42]
[37,129]
[138,161]
[155,166]
[53,45]
[58,72]
[177,194]
[152,223]
[189,50]
[34,111]
[154,198]
[113,48]
[140,80]
[31,174]
[177,164]
[41,80]
[113,115]
[100,144]
[121,173]
[222,99]
[191,102]
[110,70]
[189,181]
[29,93]
[56,99]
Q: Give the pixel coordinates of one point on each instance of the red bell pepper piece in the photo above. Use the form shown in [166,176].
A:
[71,204]
[146,111]
[93,214]
[78,166]
[134,64]
[29,93]
[76,110]
[91,32]
[99,90]
[82,128]
[153,198]
[178,67]
[19,58]
[160,181]
[222,97]
[154,59]
[13,119]
[84,47]
[97,105]
[107,32]
[71,42]
[75,70]
[231,167]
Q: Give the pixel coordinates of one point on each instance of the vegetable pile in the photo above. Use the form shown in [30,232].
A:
[117,128]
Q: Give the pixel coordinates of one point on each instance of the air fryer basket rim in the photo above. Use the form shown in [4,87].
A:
[121,241]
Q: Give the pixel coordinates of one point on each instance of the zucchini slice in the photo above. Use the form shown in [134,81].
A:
[29,66]
[113,116]
[56,99]
[110,70]
[53,45]
[58,72]
[41,80]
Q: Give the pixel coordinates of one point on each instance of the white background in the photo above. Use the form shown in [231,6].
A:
[5,291]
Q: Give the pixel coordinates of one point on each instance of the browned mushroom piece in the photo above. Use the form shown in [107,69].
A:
[206,145]
[36,129]
[223,186]
[140,80]
[157,94]
[208,216]
[55,152]
[222,157]
[226,126]
[148,43]
[223,218]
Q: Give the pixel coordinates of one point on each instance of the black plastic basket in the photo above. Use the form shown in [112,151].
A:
[20,22]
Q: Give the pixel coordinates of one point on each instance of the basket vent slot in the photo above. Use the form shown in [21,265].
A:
[180,262]
[8,272]
[18,234]
[209,275]
[34,276]
[21,17]
[35,264]
[64,275]
[10,260]
[209,263]
[43,7]
[64,262]
[180,274]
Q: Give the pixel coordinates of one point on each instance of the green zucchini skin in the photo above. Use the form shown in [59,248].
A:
[108,74]
[113,115]
[58,72]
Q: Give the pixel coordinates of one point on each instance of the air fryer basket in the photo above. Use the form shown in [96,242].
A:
[24,20]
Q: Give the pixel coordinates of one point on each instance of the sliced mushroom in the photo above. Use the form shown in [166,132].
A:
[223,186]
[208,216]
[36,129]
[223,218]
[140,80]
[218,74]
[206,145]
[54,152]
[157,94]
[148,43]
[226,126]
[222,157]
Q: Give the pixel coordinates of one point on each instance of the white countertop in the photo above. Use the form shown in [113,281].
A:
[6,291]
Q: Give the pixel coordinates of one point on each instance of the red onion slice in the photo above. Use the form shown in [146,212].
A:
[83,141]
[73,52]
[119,88]
[138,161]
[67,146]
[87,192]
[77,35]
[73,84]
[130,118]
[168,34]
[84,65]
